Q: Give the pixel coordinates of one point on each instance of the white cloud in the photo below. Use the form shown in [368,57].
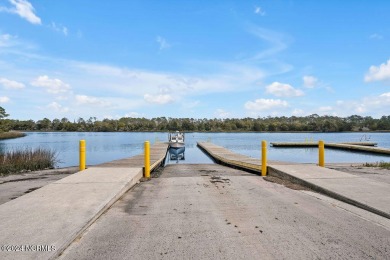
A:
[88,100]
[220,113]
[53,86]
[127,89]
[4,99]
[13,45]
[24,9]
[309,81]
[127,82]
[132,114]
[259,11]
[190,104]
[5,40]
[57,107]
[10,84]
[265,104]
[59,28]
[378,105]
[276,40]
[283,90]
[161,99]
[376,36]
[325,109]
[298,112]
[380,73]
[163,43]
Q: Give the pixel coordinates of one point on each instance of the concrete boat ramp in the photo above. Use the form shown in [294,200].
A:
[43,223]
[362,192]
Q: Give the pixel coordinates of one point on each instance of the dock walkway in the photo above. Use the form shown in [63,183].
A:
[367,147]
[48,219]
[362,192]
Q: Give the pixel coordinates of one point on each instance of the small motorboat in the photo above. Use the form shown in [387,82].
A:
[176,145]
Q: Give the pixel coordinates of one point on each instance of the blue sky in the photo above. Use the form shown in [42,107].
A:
[196,59]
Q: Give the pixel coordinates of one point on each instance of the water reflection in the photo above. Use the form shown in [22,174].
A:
[191,155]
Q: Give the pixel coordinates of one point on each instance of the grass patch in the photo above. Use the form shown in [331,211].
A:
[383,165]
[11,134]
[27,160]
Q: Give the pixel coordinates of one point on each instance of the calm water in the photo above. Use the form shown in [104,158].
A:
[104,147]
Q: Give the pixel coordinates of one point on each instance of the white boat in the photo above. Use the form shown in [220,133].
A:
[176,145]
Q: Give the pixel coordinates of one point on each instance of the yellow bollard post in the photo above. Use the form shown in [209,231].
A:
[263,158]
[147,159]
[321,153]
[82,155]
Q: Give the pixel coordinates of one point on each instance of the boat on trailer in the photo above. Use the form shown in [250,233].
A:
[176,145]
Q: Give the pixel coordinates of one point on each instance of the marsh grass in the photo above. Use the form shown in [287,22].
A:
[19,161]
[11,134]
[384,165]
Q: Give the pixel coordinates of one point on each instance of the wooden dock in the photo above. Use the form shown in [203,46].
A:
[158,152]
[226,157]
[368,147]
[315,144]
[360,148]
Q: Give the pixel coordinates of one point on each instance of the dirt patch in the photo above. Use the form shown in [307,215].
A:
[358,169]
[375,173]
[31,189]
[207,171]
[16,185]
[285,183]
[215,179]
[156,173]
[23,179]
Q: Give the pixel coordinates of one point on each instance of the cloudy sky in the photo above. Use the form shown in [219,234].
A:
[199,59]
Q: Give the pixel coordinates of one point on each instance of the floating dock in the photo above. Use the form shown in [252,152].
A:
[367,147]
[226,157]
[315,144]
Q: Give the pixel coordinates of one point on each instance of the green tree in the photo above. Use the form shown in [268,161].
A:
[3,126]
[3,114]
[44,124]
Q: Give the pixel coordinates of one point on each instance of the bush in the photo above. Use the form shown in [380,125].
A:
[27,160]
[382,164]
[11,134]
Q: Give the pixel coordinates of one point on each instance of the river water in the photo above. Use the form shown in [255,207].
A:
[104,147]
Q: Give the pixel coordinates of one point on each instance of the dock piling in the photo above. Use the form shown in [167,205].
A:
[147,159]
[321,153]
[82,155]
[263,158]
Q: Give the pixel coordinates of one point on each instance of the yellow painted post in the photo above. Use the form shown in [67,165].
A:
[321,153]
[147,159]
[82,155]
[263,158]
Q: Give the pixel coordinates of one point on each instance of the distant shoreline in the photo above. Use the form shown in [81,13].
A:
[166,131]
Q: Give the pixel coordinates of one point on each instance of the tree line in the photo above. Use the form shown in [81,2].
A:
[313,122]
